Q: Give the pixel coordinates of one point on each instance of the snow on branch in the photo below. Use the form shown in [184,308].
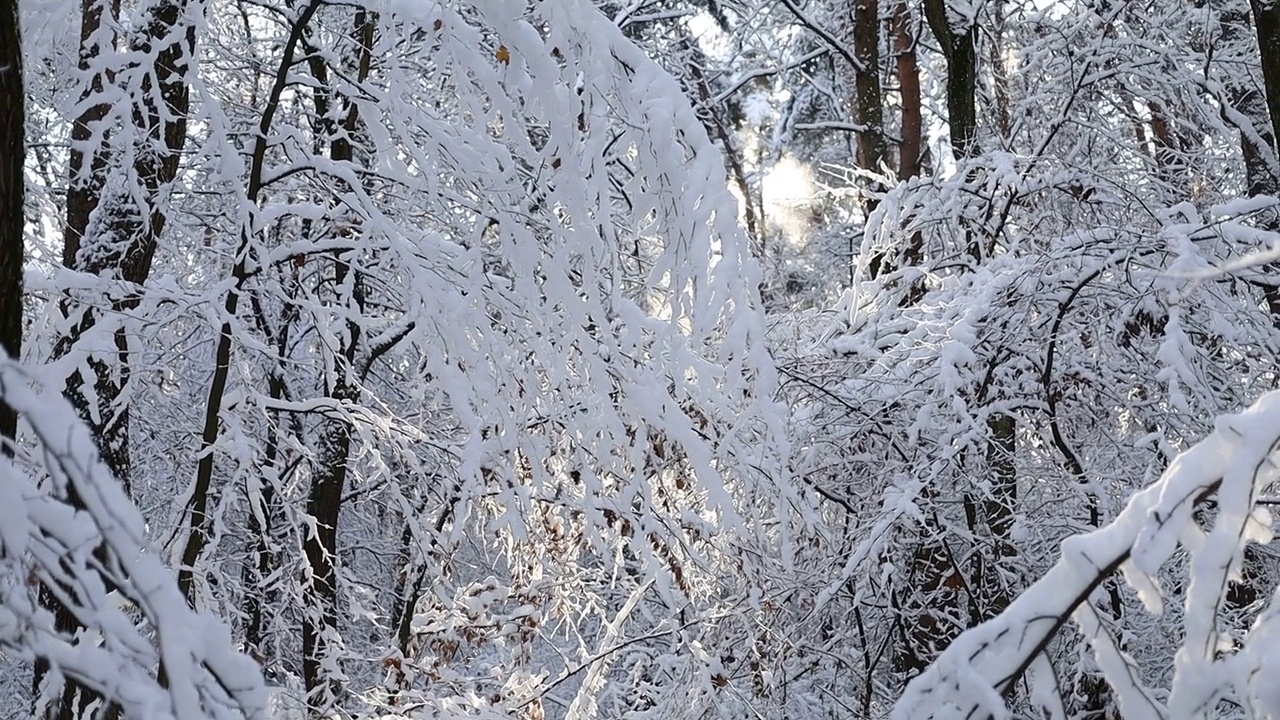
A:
[142,646]
[975,675]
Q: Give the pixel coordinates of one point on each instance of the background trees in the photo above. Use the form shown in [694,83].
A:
[657,359]
[442,333]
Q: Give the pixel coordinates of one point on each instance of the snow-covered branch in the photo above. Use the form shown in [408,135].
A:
[1229,468]
[142,647]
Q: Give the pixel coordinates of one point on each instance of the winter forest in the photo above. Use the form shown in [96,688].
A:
[639,359]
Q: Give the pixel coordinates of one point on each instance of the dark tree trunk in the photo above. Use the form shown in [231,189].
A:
[957,45]
[199,521]
[86,170]
[87,174]
[1253,105]
[84,187]
[319,619]
[952,589]
[1171,167]
[1266,20]
[329,475]
[868,113]
[1000,76]
[12,153]
[962,74]
[1257,148]
[1002,502]
[910,149]
[264,509]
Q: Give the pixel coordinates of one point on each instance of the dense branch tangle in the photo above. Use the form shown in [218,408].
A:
[429,272]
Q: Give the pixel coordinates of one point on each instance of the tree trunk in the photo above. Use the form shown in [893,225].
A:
[962,73]
[199,521]
[12,153]
[1000,75]
[86,170]
[904,42]
[1003,500]
[868,113]
[1171,167]
[1266,21]
[123,244]
[87,175]
[1255,146]
[320,634]
[319,618]
[911,151]
[932,608]
[1258,148]
[264,505]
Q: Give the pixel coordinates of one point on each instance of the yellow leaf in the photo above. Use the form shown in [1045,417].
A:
[503,54]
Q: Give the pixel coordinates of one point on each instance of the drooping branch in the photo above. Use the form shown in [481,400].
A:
[49,537]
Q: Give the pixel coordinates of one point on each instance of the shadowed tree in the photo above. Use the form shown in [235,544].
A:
[12,152]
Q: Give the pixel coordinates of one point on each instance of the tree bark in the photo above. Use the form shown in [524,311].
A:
[264,507]
[199,522]
[1171,167]
[910,149]
[122,243]
[1000,75]
[1003,500]
[1258,148]
[868,113]
[12,154]
[1266,21]
[320,617]
[86,168]
[1260,178]
[962,73]
[904,42]
[942,578]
